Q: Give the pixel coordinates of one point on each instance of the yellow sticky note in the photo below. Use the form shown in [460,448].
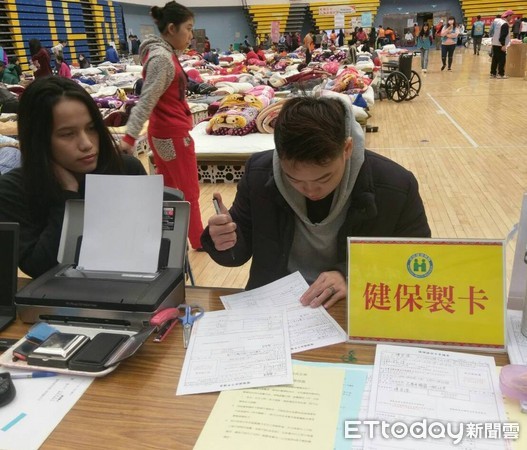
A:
[301,416]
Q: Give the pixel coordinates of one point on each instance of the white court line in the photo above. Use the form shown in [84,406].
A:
[449,117]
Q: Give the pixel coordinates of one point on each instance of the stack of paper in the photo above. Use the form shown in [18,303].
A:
[309,328]
[329,406]
[250,343]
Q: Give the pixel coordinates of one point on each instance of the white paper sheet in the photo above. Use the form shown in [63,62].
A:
[308,327]
[39,406]
[122,223]
[412,383]
[516,341]
[232,350]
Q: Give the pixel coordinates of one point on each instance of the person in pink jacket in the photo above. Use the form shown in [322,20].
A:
[63,68]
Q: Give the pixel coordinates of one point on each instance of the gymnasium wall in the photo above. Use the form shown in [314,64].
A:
[412,7]
[223,26]
[87,25]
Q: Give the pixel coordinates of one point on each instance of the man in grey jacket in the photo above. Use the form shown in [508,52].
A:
[296,205]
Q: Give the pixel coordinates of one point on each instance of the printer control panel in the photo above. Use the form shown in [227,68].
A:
[169,218]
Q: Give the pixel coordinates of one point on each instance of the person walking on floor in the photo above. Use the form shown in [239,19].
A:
[449,35]
[500,40]
[424,42]
[477,32]
[163,103]
[40,59]
[437,34]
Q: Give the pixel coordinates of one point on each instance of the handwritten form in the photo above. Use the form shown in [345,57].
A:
[411,383]
[122,223]
[302,416]
[308,327]
[232,350]
[39,406]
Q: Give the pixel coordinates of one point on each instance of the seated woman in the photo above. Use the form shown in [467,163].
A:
[84,62]
[63,70]
[62,138]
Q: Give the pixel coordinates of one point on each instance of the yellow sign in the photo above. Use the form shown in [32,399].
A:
[436,292]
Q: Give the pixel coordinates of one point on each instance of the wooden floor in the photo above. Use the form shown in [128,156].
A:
[465,139]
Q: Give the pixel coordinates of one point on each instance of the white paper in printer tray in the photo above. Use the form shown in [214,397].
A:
[122,223]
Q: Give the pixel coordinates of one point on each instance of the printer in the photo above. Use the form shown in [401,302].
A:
[68,295]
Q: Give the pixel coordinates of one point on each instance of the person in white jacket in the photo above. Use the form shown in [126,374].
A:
[500,40]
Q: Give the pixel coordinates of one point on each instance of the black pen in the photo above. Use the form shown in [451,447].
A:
[218,211]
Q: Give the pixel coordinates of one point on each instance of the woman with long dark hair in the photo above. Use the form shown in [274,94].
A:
[424,42]
[62,138]
[449,35]
[163,103]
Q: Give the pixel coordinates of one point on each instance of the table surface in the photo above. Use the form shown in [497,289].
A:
[136,407]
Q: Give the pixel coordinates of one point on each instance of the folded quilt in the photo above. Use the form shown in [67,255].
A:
[237,113]
[267,117]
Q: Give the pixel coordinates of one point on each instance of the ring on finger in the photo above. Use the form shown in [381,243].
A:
[332,291]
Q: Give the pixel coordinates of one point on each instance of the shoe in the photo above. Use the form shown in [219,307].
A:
[443,67]
[449,68]
[502,77]
[478,53]
[424,70]
[492,76]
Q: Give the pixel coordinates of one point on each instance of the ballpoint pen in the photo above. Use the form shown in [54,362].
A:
[20,376]
[218,211]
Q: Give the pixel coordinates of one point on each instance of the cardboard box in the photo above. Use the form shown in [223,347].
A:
[516,60]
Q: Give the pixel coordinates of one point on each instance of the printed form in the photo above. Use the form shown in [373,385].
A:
[354,400]
[232,350]
[411,384]
[309,328]
[302,416]
[39,406]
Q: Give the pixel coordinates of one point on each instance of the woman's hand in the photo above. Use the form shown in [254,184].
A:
[328,289]
[66,179]
[126,148]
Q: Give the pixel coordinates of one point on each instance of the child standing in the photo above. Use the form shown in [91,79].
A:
[424,42]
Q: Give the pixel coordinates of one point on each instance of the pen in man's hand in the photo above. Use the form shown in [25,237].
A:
[20,376]
[218,211]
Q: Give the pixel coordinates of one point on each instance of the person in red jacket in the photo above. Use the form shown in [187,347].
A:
[163,103]
[40,59]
